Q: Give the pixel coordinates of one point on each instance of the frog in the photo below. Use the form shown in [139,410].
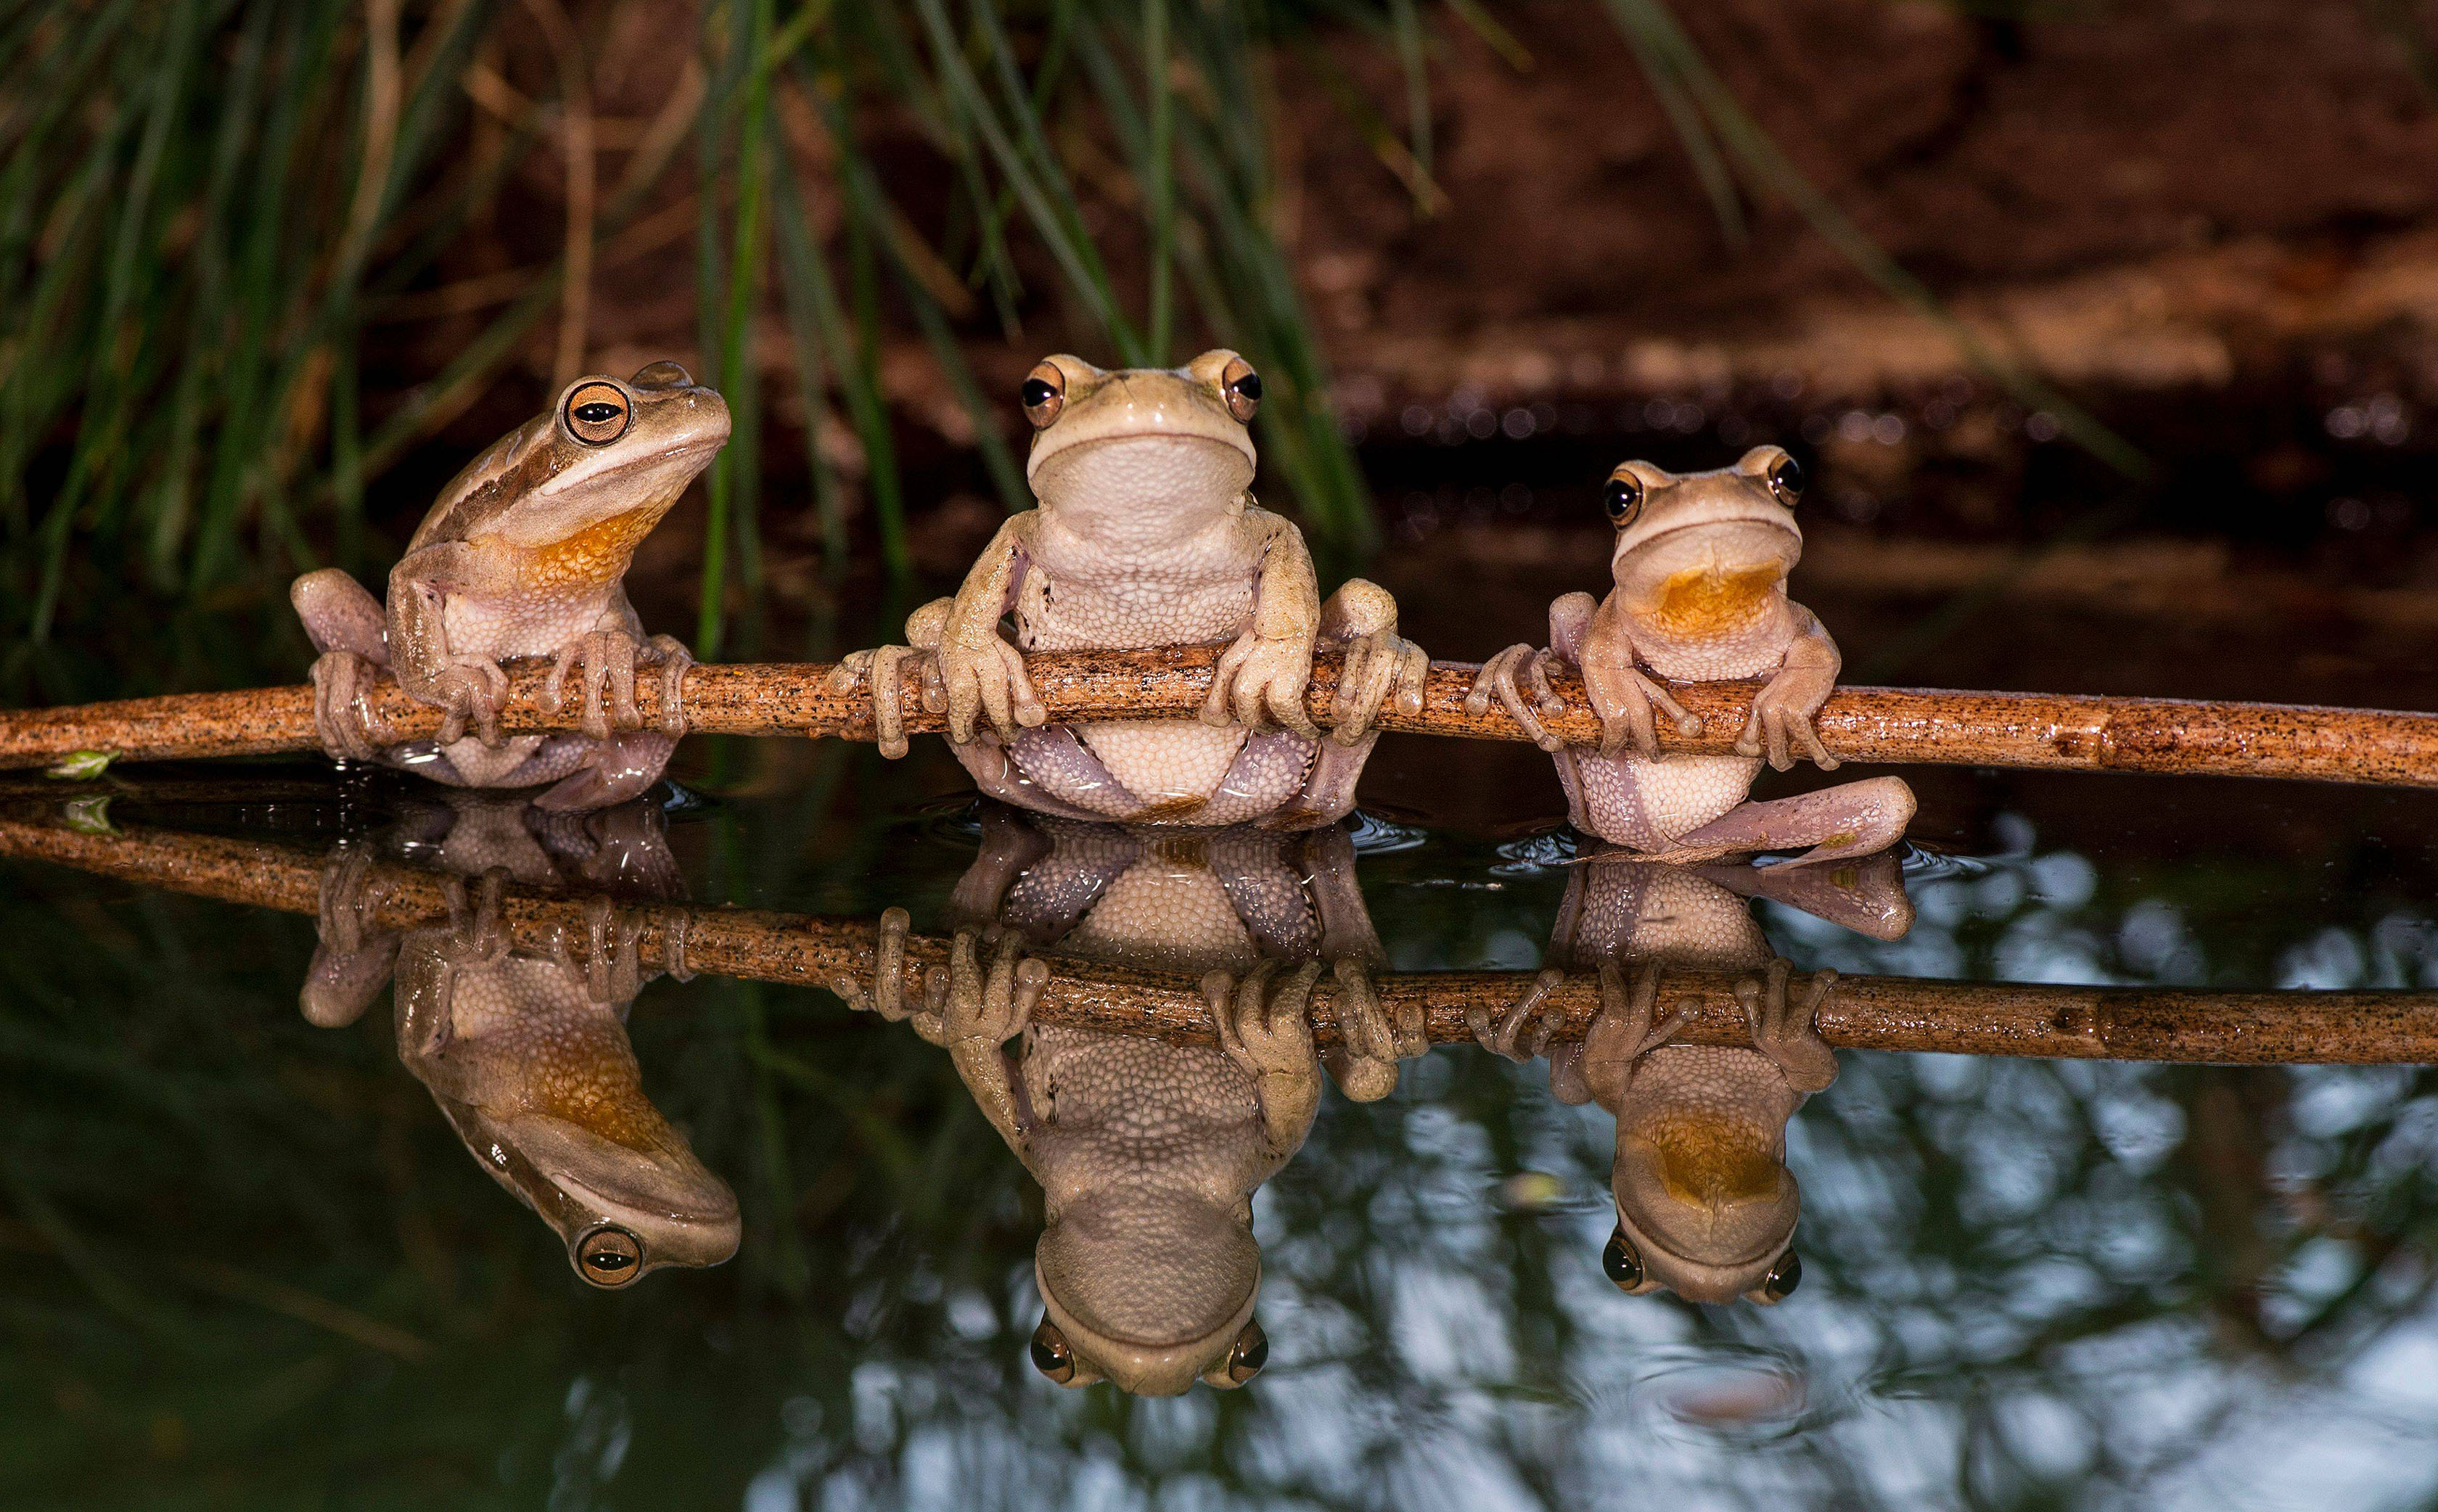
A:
[526,1052]
[1145,533]
[1700,566]
[1148,1153]
[525,554]
[1706,1205]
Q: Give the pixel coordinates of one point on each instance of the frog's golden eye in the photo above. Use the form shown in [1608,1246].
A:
[597,413]
[1622,498]
[1242,388]
[609,1256]
[1781,1281]
[1044,394]
[1250,1354]
[1786,481]
[1050,1355]
[1621,1265]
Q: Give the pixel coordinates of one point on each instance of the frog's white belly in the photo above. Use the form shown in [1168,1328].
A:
[1164,762]
[1648,803]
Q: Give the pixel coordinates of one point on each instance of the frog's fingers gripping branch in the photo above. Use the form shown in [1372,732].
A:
[2031,730]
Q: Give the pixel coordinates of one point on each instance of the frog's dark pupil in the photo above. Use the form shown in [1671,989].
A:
[1623,1266]
[596,412]
[1252,1354]
[1784,1276]
[1038,393]
[1623,494]
[1249,386]
[1048,1357]
[1788,479]
[608,1260]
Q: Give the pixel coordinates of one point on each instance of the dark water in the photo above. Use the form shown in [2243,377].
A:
[251,1265]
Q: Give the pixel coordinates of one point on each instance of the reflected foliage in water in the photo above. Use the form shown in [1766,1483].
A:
[254,1265]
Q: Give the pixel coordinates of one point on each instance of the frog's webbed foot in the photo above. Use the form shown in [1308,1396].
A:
[1779,726]
[1784,1030]
[340,680]
[891,976]
[1365,1063]
[1506,1036]
[1379,661]
[467,688]
[968,1005]
[1499,678]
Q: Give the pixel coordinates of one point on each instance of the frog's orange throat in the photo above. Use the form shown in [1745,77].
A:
[1707,1162]
[1710,603]
[597,554]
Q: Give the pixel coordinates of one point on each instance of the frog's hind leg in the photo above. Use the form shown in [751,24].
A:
[609,771]
[1051,771]
[1852,820]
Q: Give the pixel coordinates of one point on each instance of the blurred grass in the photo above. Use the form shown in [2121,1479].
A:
[205,205]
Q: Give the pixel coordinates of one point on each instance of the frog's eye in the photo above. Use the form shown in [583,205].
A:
[1250,1352]
[1241,387]
[1781,1281]
[1622,1266]
[597,413]
[1622,498]
[1050,1355]
[1044,394]
[1786,481]
[609,1256]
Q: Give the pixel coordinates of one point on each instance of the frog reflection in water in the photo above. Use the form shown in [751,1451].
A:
[1700,566]
[1146,535]
[526,1053]
[1704,1203]
[525,554]
[1148,1153]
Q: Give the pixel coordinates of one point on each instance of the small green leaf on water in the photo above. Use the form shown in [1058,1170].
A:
[81,767]
[90,815]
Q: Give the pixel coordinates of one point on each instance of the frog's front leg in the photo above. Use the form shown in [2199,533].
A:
[1599,1066]
[1266,1032]
[349,628]
[352,961]
[973,1010]
[1262,677]
[969,668]
[1780,720]
[1362,617]
[467,687]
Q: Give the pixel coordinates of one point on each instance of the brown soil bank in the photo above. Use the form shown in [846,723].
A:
[2126,197]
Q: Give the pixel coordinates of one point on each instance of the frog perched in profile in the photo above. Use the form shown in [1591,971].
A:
[1704,1203]
[1147,536]
[525,554]
[526,1052]
[1148,1153]
[1700,566]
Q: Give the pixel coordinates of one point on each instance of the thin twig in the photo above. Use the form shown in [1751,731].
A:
[2054,732]
[1864,1013]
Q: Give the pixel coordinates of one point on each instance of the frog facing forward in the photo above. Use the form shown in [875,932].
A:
[1706,1206]
[525,554]
[1699,565]
[1147,534]
[1148,1153]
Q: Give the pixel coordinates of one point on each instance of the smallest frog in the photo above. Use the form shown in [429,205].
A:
[1700,570]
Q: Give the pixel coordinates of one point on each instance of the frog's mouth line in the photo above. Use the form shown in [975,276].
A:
[653,462]
[1776,523]
[1034,464]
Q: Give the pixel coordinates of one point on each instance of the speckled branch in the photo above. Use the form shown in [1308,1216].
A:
[1864,1014]
[2048,730]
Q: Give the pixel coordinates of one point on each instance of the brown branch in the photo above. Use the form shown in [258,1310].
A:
[2057,732]
[1903,1014]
